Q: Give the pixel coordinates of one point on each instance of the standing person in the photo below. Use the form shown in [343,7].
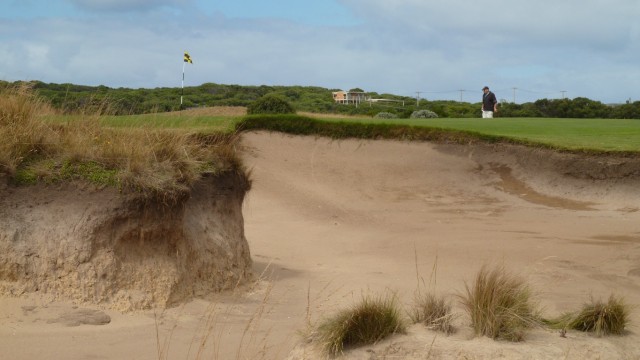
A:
[489,103]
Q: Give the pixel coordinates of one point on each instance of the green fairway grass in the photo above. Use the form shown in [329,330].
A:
[599,135]
[571,134]
[193,123]
[202,124]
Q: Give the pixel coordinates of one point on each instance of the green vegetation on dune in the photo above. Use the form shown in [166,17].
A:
[40,146]
[68,98]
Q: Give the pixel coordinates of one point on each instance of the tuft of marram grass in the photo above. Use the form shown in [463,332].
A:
[367,322]
[24,136]
[434,312]
[500,305]
[601,318]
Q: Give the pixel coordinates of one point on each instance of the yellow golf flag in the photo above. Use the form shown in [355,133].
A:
[187,58]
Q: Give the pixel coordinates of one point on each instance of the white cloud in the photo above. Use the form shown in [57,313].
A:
[586,18]
[400,47]
[517,43]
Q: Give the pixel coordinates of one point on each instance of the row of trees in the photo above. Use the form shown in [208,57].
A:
[571,108]
[123,101]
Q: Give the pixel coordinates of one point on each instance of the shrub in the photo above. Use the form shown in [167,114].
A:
[598,317]
[270,104]
[368,322]
[434,312]
[423,114]
[385,115]
[500,305]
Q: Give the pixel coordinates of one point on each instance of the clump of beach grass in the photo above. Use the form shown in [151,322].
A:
[24,136]
[435,312]
[367,322]
[155,162]
[500,304]
[596,316]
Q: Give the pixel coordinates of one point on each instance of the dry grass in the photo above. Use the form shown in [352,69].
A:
[500,305]
[221,333]
[610,318]
[158,163]
[367,322]
[23,135]
[218,340]
[435,312]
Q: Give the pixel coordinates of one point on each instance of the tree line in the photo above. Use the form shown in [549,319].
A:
[71,98]
[579,107]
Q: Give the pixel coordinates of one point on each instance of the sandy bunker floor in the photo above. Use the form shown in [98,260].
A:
[328,221]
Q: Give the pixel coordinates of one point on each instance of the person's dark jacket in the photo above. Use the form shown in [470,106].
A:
[489,101]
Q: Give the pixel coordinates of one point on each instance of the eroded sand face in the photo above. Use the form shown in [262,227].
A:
[123,252]
[332,220]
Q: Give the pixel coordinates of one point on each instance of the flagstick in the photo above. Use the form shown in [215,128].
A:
[182,94]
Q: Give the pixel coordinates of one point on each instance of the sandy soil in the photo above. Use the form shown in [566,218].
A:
[329,221]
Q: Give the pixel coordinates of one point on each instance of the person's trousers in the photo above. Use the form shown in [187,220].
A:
[487,114]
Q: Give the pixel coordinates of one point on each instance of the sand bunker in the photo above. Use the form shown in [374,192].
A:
[331,220]
[365,216]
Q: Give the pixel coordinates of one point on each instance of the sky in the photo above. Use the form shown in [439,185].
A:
[523,50]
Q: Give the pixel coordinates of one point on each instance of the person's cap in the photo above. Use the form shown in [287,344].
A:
[485,88]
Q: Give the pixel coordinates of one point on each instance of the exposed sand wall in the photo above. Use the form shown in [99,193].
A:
[103,247]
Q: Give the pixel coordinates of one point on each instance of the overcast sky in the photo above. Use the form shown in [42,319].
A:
[443,49]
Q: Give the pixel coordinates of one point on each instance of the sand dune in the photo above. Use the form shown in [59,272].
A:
[328,221]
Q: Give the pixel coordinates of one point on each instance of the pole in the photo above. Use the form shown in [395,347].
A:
[182,93]
[418,98]
[514,94]
[563,91]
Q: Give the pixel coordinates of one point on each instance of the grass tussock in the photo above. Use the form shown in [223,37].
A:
[598,317]
[500,305]
[159,163]
[435,312]
[367,322]
[24,136]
